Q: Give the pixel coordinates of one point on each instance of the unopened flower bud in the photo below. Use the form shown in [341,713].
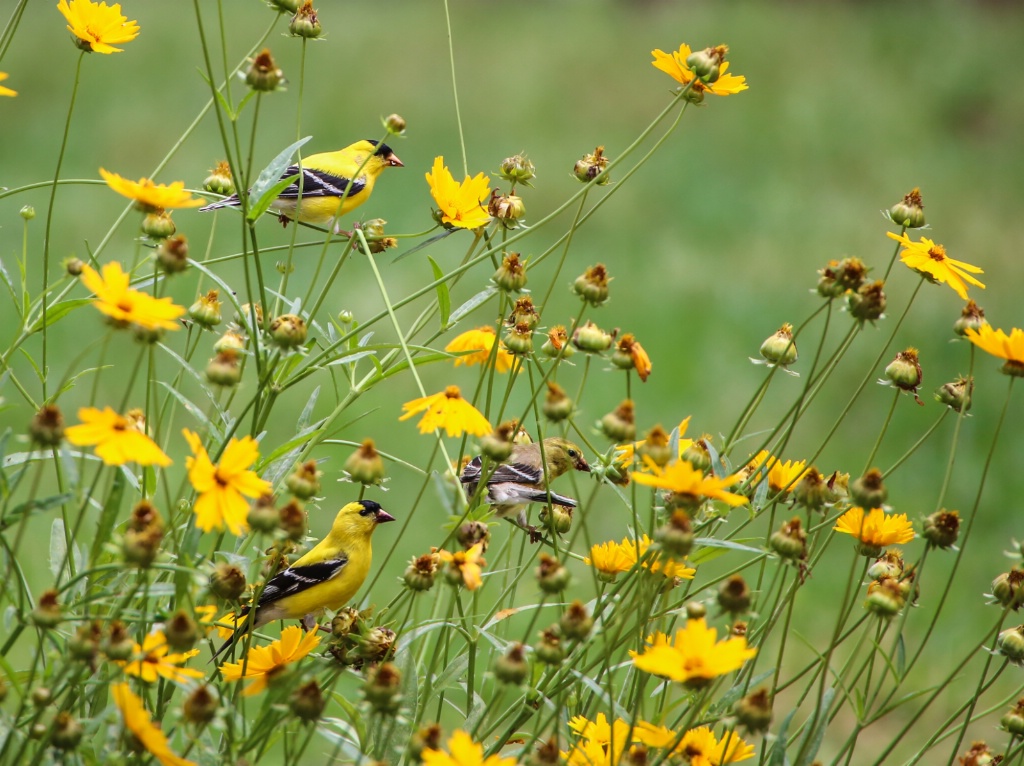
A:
[552,576]
[942,529]
[181,631]
[224,369]
[383,683]
[263,515]
[118,644]
[889,564]
[85,644]
[365,465]
[200,706]
[304,481]
[909,211]
[172,254]
[219,180]
[576,623]
[27,212]
[592,285]
[557,405]
[754,712]
[246,312]
[307,702]
[885,598]
[344,622]
[591,338]
[421,572]
[41,696]
[377,644]
[47,613]
[73,267]
[305,23]
[507,208]
[497,445]
[472,533]
[868,303]
[697,454]
[227,582]
[790,541]
[676,535]
[67,732]
[232,340]
[706,64]
[657,446]
[956,394]
[1008,589]
[46,429]
[395,124]
[292,520]
[557,344]
[1010,644]
[288,331]
[557,518]
[869,491]
[517,169]
[206,310]
[264,75]
[1013,720]
[512,667]
[905,370]
[972,317]
[591,166]
[158,225]
[811,490]
[734,595]
[549,649]
[511,275]
[780,348]
[519,339]
[619,425]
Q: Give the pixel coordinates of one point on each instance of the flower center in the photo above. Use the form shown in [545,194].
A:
[221,481]
[937,253]
[453,392]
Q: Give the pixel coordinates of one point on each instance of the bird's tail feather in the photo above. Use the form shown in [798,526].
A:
[231,201]
[543,495]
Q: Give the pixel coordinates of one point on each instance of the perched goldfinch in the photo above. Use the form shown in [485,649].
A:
[521,479]
[326,577]
[328,186]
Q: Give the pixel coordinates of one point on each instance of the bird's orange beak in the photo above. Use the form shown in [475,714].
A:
[581,465]
[394,162]
[381,516]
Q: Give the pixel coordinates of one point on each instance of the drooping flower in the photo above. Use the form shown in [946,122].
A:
[6,91]
[448,410]
[480,342]
[151,197]
[263,662]
[460,204]
[118,439]
[930,260]
[463,751]
[138,722]
[97,26]
[674,65]
[876,528]
[782,476]
[611,558]
[465,567]
[682,479]
[223,487]
[693,656]
[126,306]
[999,344]
[151,661]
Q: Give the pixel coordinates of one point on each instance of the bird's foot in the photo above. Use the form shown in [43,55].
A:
[309,622]
[283,220]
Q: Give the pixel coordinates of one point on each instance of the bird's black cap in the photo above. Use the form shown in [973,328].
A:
[383,150]
[371,508]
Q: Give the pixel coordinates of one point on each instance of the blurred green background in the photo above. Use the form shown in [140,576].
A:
[713,244]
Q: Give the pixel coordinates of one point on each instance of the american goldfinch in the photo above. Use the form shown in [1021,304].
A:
[521,479]
[329,184]
[326,577]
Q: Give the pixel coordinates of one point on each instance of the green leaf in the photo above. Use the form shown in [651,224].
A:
[108,516]
[778,756]
[307,412]
[812,741]
[30,507]
[444,300]
[478,299]
[269,182]
[58,311]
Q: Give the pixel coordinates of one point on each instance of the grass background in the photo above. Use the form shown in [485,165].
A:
[713,244]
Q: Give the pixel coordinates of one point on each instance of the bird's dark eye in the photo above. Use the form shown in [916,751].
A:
[366,511]
[572,453]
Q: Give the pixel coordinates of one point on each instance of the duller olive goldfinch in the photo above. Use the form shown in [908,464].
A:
[324,578]
[329,185]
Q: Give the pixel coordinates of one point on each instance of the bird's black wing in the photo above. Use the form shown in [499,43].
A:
[520,473]
[297,579]
[319,183]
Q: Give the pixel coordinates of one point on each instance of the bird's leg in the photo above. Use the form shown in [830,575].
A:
[309,622]
[341,232]
[283,220]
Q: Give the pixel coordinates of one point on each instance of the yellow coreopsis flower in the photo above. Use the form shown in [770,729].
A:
[222,488]
[460,204]
[876,528]
[263,662]
[468,565]
[684,480]
[126,306]
[930,260]
[138,722]
[118,439]
[480,342]
[448,410]
[693,657]
[463,751]
[96,26]
[999,344]
[611,558]
[624,453]
[152,661]
[151,197]
[674,65]
[703,749]
[782,476]
[6,91]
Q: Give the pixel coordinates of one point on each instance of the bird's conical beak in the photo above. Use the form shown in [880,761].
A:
[383,516]
[394,162]
[582,465]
